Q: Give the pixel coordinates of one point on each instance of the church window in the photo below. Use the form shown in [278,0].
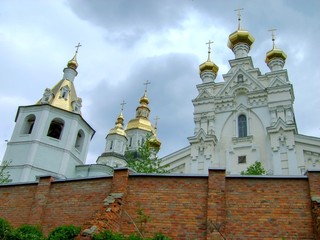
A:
[28,124]
[111,145]
[240,78]
[55,129]
[242,126]
[130,141]
[79,141]
[242,159]
[64,92]
[142,141]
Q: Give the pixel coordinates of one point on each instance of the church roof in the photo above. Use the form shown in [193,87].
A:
[63,95]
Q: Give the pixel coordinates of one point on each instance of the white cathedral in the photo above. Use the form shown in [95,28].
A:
[246,118]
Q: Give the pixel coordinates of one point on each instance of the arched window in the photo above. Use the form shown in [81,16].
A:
[240,78]
[111,144]
[55,129]
[28,124]
[79,141]
[242,126]
[64,91]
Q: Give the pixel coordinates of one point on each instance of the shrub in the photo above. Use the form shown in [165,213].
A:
[5,228]
[108,235]
[160,236]
[26,232]
[68,232]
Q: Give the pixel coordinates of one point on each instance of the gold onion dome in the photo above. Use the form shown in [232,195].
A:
[144,100]
[142,113]
[209,65]
[240,36]
[73,62]
[275,52]
[118,129]
[154,142]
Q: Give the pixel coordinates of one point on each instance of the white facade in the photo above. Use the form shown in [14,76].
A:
[246,118]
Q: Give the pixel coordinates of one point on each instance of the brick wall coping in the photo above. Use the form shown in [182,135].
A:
[18,184]
[268,176]
[80,179]
[179,175]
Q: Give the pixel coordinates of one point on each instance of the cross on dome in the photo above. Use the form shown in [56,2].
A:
[77,47]
[273,37]
[209,49]
[146,83]
[239,16]
[122,105]
[156,123]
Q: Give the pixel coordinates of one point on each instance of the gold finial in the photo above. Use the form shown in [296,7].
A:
[73,62]
[239,17]
[122,105]
[146,83]
[273,37]
[209,50]
[156,123]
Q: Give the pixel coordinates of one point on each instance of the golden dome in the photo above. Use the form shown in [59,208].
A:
[140,123]
[275,53]
[73,62]
[210,66]
[154,142]
[144,100]
[118,129]
[240,36]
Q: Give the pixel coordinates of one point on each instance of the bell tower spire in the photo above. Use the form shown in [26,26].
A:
[116,141]
[63,95]
[140,127]
[52,136]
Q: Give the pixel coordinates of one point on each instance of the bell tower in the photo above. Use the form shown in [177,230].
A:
[50,137]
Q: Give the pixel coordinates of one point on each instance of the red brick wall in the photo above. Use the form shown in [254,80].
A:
[74,202]
[260,208]
[181,207]
[16,202]
[176,205]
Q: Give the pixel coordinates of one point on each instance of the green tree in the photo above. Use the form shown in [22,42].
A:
[254,169]
[144,161]
[4,173]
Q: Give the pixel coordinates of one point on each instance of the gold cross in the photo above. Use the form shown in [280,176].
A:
[146,83]
[156,124]
[209,49]
[273,37]
[209,44]
[239,17]
[77,47]
[122,105]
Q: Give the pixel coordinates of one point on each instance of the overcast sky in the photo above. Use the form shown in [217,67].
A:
[125,43]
